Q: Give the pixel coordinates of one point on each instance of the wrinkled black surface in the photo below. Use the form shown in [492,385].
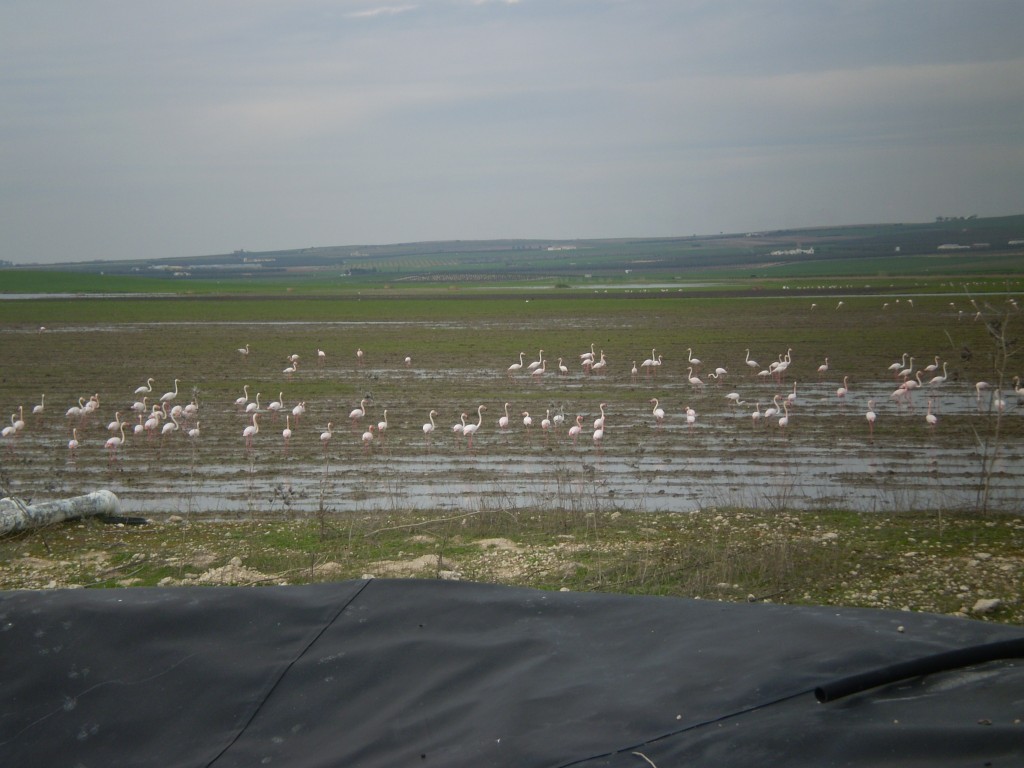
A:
[398,673]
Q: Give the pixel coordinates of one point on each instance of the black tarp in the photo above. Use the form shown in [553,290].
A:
[415,673]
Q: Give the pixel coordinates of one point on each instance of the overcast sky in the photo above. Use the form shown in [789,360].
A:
[140,129]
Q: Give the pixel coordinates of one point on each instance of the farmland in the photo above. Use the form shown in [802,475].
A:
[825,471]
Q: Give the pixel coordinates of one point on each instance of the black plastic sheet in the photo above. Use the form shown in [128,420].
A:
[398,673]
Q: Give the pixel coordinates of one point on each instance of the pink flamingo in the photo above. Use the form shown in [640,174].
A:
[251,431]
[658,412]
[871,416]
[574,431]
[471,429]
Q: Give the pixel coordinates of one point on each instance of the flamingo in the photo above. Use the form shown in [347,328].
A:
[368,436]
[429,427]
[719,373]
[930,417]
[244,351]
[503,421]
[250,432]
[10,431]
[598,437]
[575,429]
[695,381]
[241,401]
[537,363]
[38,410]
[76,410]
[253,407]
[193,433]
[931,368]
[843,390]
[734,398]
[471,429]
[823,368]
[145,389]
[587,356]
[656,365]
[634,372]
[936,380]
[563,369]
[756,415]
[408,361]
[599,421]
[791,397]
[171,426]
[527,419]
[646,364]
[326,435]
[139,428]
[691,359]
[516,367]
[116,423]
[753,365]
[358,413]
[658,412]
[73,442]
[286,433]
[691,416]
[537,373]
[277,405]
[141,406]
[905,372]
[167,397]
[299,410]
[19,423]
[871,416]
[359,356]
[154,419]
[115,442]
[321,356]
[784,420]
[545,423]
[769,412]
[461,424]
[291,368]
[898,366]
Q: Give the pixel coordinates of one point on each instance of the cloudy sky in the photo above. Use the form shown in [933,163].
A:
[139,129]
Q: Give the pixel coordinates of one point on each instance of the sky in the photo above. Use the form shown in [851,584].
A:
[153,130]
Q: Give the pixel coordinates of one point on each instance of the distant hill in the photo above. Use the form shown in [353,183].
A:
[534,258]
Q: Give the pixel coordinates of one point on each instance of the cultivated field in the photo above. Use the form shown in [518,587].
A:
[827,459]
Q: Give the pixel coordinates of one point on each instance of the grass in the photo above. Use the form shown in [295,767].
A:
[566,537]
[910,561]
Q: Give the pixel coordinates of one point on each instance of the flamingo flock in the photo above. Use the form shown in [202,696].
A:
[165,418]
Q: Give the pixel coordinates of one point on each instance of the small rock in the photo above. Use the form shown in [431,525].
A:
[988,605]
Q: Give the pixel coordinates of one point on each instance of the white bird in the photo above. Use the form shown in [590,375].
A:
[244,351]
[537,363]
[326,435]
[658,412]
[691,359]
[146,388]
[39,409]
[115,424]
[253,407]
[871,416]
[527,419]
[503,421]
[250,432]
[516,367]
[286,433]
[575,429]
[113,443]
[368,436]
[299,410]
[843,390]
[694,380]
[823,368]
[171,426]
[321,356]
[471,429]
[461,425]
[194,432]
[784,420]
[930,417]
[382,425]
[936,380]
[167,397]
[241,401]
[73,442]
[753,365]
[277,405]
[599,421]
[358,413]
[429,427]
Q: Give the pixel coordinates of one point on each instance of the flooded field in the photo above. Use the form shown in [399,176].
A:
[202,463]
